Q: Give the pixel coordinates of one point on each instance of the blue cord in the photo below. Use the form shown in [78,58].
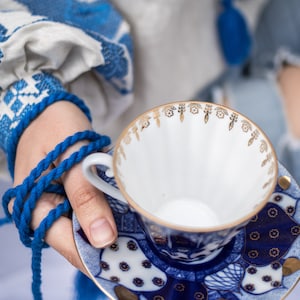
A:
[34,186]
[38,244]
[20,191]
[32,114]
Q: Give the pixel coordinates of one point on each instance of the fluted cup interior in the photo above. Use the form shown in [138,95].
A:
[195,165]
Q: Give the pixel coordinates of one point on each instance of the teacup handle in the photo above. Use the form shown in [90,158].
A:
[103,159]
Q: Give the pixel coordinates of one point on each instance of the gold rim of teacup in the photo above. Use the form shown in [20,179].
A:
[183,228]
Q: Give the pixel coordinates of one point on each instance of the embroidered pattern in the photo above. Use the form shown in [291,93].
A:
[249,267]
[101,21]
[20,98]
[97,19]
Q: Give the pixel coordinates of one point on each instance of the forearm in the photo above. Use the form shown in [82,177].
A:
[22,102]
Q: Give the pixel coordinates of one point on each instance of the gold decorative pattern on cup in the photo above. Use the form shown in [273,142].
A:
[134,130]
[127,138]
[181,110]
[246,125]
[121,150]
[195,108]
[271,168]
[156,116]
[221,112]
[254,136]
[263,146]
[169,110]
[267,159]
[266,184]
[233,119]
[207,112]
[144,122]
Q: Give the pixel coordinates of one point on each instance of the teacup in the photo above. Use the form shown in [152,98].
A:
[195,173]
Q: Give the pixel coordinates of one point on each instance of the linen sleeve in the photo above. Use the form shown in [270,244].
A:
[43,59]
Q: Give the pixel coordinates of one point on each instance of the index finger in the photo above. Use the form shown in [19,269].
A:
[91,208]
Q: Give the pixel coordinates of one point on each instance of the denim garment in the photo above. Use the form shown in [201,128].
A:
[260,100]
[253,90]
[277,29]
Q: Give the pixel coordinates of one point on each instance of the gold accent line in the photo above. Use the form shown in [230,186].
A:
[291,289]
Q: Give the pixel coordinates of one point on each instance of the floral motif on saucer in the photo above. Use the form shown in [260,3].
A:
[262,262]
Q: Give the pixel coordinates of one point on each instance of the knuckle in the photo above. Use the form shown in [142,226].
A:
[83,197]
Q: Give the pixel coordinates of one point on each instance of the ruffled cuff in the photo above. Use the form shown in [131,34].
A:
[31,43]
[22,102]
[86,46]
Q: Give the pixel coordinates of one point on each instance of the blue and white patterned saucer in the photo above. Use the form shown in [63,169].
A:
[262,262]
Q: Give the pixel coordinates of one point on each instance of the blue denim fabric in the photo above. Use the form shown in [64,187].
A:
[277,28]
[260,100]
[253,90]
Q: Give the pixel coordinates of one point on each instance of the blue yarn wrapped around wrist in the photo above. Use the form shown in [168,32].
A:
[23,102]
[32,114]
[32,189]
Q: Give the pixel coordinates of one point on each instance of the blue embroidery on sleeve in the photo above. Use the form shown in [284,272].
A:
[115,62]
[20,98]
[126,39]
[3,32]
[97,16]
[100,20]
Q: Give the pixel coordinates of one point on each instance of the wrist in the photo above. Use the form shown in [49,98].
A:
[23,102]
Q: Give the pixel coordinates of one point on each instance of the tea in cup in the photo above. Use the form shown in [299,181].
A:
[194,173]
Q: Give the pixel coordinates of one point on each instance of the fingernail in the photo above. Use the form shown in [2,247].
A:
[101,233]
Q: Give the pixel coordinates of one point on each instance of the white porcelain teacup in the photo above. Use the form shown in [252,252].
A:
[194,173]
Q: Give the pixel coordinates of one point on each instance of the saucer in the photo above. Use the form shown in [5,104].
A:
[261,262]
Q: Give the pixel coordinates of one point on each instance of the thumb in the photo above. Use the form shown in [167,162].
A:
[91,208]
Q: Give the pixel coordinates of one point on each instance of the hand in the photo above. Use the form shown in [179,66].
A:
[57,122]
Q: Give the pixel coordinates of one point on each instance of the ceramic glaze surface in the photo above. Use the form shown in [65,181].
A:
[187,212]
[193,172]
[261,262]
[181,150]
